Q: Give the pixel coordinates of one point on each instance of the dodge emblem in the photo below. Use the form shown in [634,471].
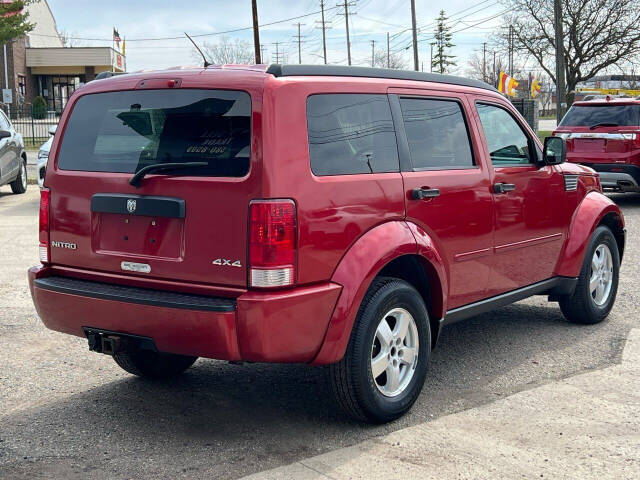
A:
[131,205]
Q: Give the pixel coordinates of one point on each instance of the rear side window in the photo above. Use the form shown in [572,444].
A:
[126,131]
[351,133]
[437,134]
[590,115]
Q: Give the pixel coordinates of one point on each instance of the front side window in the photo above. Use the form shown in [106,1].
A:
[127,131]
[507,142]
[437,134]
[351,133]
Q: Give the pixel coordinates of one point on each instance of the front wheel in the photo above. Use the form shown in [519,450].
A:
[19,185]
[385,365]
[597,286]
[156,365]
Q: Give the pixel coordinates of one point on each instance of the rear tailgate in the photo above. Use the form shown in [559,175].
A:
[601,132]
[187,224]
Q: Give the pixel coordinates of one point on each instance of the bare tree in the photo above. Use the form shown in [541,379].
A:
[396,61]
[487,71]
[68,39]
[227,51]
[597,35]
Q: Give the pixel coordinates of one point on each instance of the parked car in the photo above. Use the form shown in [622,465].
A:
[13,157]
[604,134]
[43,156]
[324,215]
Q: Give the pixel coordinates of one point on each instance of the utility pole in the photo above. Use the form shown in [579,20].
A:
[299,37]
[263,49]
[495,74]
[373,53]
[388,53]
[484,61]
[560,83]
[256,31]
[346,6]
[510,43]
[279,56]
[415,35]
[431,66]
[323,25]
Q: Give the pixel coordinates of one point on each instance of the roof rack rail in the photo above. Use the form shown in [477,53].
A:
[278,70]
[103,75]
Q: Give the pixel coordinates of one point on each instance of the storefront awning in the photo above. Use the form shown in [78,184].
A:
[70,61]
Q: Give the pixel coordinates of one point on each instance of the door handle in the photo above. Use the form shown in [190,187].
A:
[425,192]
[503,188]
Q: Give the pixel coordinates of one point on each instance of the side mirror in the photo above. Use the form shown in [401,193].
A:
[555,151]
[52,129]
[4,134]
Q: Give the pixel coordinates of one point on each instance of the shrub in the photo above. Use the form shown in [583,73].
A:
[39,108]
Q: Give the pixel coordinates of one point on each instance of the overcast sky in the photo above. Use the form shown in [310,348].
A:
[143,19]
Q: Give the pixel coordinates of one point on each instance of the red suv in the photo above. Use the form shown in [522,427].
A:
[605,135]
[325,215]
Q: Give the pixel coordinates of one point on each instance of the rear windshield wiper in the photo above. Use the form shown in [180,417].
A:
[603,124]
[139,175]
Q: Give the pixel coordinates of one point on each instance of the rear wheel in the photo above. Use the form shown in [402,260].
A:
[19,185]
[146,363]
[385,365]
[597,286]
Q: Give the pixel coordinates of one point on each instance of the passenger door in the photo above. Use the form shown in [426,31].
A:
[8,165]
[447,188]
[529,201]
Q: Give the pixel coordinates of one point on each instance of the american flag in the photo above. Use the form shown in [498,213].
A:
[116,36]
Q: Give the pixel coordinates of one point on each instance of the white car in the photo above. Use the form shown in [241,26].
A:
[43,156]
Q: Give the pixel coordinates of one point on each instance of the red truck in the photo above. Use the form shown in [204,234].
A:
[604,134]
[325,215]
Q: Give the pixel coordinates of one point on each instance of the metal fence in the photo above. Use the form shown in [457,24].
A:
[33,125]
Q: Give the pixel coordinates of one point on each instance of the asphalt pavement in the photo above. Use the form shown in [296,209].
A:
[69,413]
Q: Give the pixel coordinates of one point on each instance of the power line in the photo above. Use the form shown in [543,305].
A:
[194,36]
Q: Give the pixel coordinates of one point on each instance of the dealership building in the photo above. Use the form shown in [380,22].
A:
[40,64]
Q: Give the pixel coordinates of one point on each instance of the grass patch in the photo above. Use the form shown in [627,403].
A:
[542,134]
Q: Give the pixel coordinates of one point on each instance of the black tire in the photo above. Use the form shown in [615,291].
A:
[351,380]
[580,307]
[19,185]
[156,365]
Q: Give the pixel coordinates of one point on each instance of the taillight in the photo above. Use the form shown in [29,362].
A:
[272,243]
[45,203]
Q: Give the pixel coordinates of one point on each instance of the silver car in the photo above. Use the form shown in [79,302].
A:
[43,156]
[13,158]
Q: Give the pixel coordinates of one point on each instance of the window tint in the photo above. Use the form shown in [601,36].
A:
[588,115]
[437,133]
[351,134]
[126,131]
[507,142]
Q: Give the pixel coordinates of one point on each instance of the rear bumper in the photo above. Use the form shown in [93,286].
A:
[618,176]
[284,326]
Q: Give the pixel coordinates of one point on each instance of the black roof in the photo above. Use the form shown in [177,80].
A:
[344,71]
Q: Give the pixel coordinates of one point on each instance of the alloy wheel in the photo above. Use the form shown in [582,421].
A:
[394,352]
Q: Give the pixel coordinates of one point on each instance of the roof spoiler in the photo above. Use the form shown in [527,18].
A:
[103,75]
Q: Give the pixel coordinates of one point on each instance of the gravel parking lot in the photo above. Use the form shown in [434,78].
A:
[69,413]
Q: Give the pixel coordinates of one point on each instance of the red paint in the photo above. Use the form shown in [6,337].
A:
[586,218]
[471,242]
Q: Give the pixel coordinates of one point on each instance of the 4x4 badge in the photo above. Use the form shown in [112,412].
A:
[131,205]
[227,263]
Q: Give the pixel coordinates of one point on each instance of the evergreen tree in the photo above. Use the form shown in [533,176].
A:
[442,60]
[13,20]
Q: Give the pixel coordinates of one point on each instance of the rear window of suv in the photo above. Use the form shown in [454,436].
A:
[129,130]
[589,115]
